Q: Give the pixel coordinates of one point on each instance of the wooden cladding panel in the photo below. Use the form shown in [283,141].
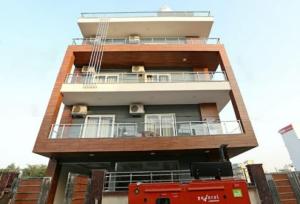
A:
[80,189]
[66,117]
[55,98]
[236,98]
[28,191]
[284,188]
[153,55]
[209,111]
[46,147]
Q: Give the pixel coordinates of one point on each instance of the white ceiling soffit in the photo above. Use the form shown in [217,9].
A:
[150,26]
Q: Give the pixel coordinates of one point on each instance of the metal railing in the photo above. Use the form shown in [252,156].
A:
[133,14]
[119,181]
[131,130]
[147,77]
[148,40]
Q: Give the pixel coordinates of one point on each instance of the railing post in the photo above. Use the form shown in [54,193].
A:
[207,125]
[117,130]
[80,132]
[225,127]
[190,124]
[240,126]
[62,131]
[51,132]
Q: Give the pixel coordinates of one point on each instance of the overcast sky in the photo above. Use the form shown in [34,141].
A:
[261,38]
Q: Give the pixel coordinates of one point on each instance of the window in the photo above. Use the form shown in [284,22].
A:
[107,78]
[99,126]
[160,124]
[158,78]
[163,201]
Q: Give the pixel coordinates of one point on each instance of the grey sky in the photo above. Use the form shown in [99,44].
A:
[261,37]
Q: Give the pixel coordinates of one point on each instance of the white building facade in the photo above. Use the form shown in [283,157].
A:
[291,137]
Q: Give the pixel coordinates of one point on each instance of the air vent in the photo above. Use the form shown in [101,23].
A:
[79,111]
[136,109]
[86,69]
[138,69]
[134,39]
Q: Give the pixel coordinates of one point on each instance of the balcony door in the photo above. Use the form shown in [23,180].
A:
[160,124]
[99,126]
[106,79]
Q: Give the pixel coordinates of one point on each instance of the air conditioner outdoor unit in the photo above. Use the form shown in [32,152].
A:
[134,39]
[79,110]
[136,109]
[86,69]
[138,68]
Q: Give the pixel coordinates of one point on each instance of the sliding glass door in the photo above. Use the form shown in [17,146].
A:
[99,126]
[160,124]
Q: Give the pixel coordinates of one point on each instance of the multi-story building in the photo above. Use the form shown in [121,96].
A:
[291,138]
[141,92]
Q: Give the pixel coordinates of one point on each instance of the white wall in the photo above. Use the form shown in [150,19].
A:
[292,143]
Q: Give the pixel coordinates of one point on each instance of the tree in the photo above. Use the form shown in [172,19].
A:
[11,167]
[38,170]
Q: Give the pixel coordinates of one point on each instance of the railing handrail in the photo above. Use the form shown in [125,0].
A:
[157,171]
[121,13]
[138,73]
[75,78]
[154,40]
[177,122]
[142,129]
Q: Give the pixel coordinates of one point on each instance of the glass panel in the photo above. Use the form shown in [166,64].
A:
[71,131]
[164,78]
[152,125]
[183,128]
[106,126]
[167,125]
[91,127]
[151,77]
[126,130]
[99,79]
[199,128]
[112,79]
[202,76]
[190,77]
[215,128]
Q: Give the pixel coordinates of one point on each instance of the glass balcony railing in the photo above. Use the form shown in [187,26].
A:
[147,77]
[129,130]
[148,40]
[134,14]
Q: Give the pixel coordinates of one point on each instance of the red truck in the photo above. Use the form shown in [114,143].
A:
[196,192]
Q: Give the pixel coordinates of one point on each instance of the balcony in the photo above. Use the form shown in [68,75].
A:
[164,23]
[156,88]
[148,41]
[138,130]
